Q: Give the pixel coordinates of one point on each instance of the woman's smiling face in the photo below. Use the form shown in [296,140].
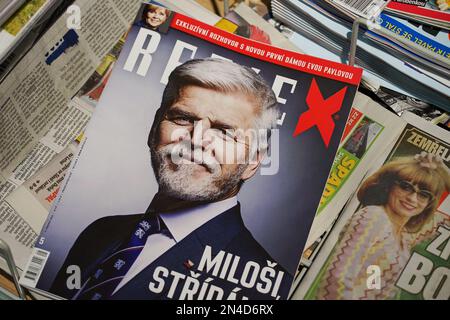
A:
[407,199]
[157,17]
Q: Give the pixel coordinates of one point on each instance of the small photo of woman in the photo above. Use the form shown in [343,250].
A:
[154,17]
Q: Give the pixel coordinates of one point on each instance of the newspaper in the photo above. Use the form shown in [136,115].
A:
[25,210]
[46,102]
[401,103]
[33,33]
[368,128]
[392,240]
[37,118]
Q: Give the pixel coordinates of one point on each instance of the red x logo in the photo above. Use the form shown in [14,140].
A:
[320,112]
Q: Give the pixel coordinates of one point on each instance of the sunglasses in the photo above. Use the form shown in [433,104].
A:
[422,194]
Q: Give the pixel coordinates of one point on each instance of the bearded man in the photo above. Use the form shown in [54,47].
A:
[201,154]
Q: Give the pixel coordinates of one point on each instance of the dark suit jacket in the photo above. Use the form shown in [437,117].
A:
[225,232]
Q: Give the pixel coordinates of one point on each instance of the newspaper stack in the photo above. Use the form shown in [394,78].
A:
[388,49]
[427,46]
[420,43]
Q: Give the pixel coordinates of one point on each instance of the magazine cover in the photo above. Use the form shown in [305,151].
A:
[200,172]
[393,239]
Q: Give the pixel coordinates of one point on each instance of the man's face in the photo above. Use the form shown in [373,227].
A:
[202,152]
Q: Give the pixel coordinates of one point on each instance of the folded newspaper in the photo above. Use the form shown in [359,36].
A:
[392,240]
[168,197]
[45,105]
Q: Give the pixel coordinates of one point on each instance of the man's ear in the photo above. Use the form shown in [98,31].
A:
[155,126]
[253,166]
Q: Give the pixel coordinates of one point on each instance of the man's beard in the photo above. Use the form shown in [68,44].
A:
[176,179]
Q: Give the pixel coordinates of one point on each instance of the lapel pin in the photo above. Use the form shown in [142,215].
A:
[188,264]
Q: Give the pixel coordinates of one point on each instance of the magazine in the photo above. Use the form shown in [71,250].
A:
[392,240]
[215,147]
[416,38]
[366,9]
[193,9]
[247,23]
[393,34]
[434,12]
[30,207]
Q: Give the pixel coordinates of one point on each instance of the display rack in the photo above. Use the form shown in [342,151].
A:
[5,253]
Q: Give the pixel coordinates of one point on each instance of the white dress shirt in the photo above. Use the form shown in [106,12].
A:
[180,224]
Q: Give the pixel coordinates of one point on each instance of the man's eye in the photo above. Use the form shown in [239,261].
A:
[182,121]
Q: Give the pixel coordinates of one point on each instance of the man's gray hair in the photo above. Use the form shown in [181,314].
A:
[227,77]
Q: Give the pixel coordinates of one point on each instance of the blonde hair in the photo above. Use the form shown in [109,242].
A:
[375,189]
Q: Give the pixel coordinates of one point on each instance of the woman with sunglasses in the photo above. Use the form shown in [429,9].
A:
[408,190]
[396,202]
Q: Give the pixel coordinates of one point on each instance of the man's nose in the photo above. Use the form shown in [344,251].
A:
[199,139]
